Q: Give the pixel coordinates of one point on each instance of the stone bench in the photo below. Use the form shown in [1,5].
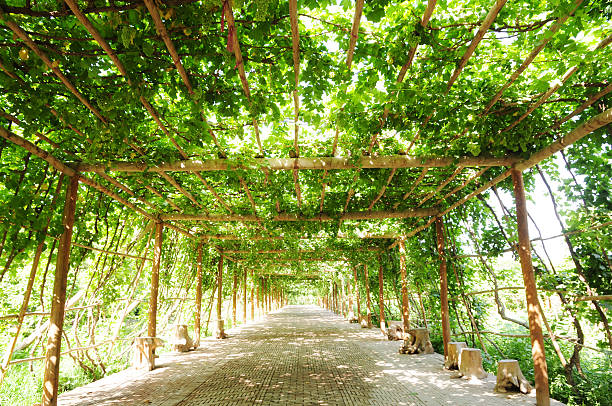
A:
[143,356]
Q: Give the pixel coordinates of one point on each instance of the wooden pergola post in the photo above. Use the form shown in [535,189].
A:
[351,311]
[198,299]
[533,308]
[405,310]
[234,293]
[244,295]
[343,297]
[152,327]
[335,296]
[56,321]
[368,299]
[252,294]
[220,327]
[264,295]
[381,299]
[443,286]
[357,298]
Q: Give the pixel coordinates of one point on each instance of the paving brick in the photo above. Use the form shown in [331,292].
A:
[300,355]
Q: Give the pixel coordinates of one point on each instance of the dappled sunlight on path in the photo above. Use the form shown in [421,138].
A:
[300,355]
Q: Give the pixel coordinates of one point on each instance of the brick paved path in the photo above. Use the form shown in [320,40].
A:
[300,355]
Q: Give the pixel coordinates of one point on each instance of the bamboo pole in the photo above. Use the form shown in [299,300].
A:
[443,286]
[152,326]
[405,309]
[198,314]
[533,307]
[56,326]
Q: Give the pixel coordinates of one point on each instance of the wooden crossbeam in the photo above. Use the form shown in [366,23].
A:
[383,189]
[349,62]
[295,36]
[431,4]
[369,249]
[55,69]
[441,186]
[365,215]
[600,120]
[541,44]
[416,183]
[231,237]
[475,175]
[233,34]
[152,112]
[545,39]
[354,32]
[159,194]
[323,163]
[484,27]
[163,33]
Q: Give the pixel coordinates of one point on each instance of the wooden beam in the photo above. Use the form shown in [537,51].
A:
[369,249]
[383,189]
[235,46]
[354,32]
[163,33]
[600,120]
[531,293]
[416,183]
[56,322]
[443,286]
[541,43]
[431,4]
[484,27]
[281,237]
[289,164]
[152,325]
[53,67]
[579,132]
[441,186]
[363,215]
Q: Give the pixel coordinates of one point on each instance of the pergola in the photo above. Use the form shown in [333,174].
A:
[199,116]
